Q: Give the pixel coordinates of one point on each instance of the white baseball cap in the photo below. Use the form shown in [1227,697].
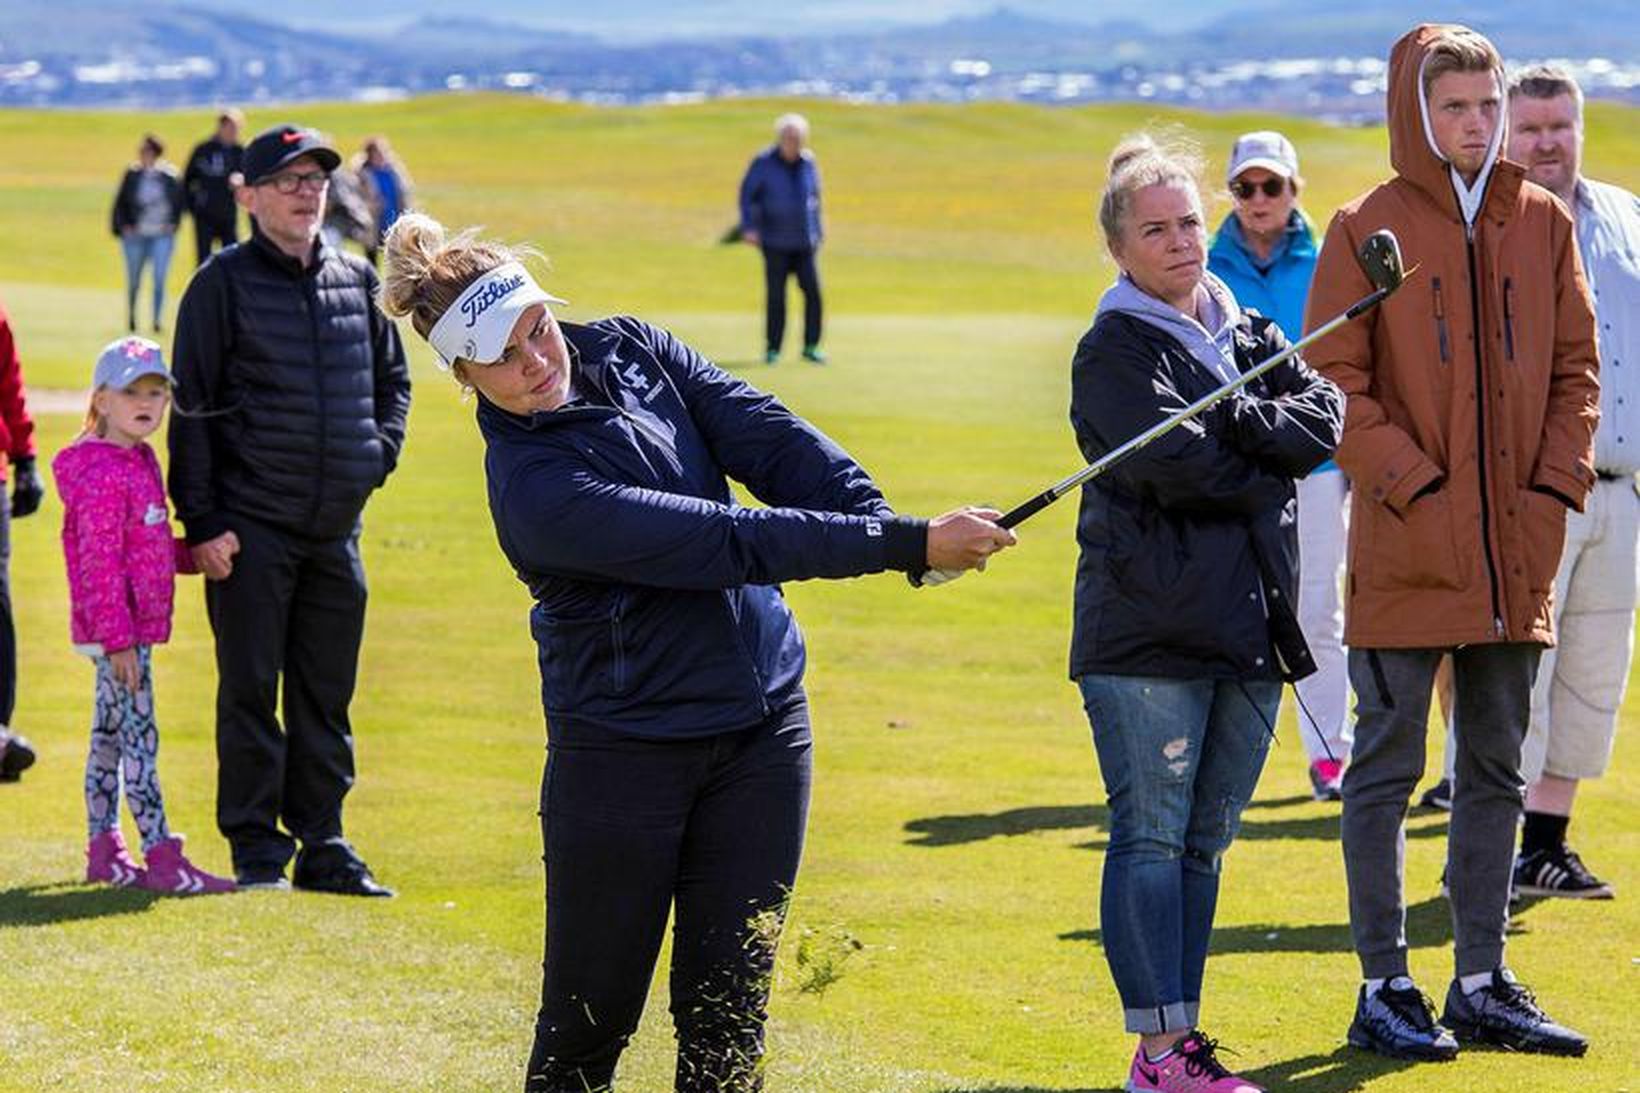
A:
[126,360]
[476,327]
[1265,148]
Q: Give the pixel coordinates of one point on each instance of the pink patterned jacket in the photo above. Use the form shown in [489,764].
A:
[122,558]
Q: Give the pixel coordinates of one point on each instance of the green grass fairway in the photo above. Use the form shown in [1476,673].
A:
[958,823]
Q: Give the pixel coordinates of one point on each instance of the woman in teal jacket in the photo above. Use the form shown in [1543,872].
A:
[1266,251]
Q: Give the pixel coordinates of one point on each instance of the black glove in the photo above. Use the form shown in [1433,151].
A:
[27,491]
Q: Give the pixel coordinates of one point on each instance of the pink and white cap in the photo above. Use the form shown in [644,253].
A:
[476,327]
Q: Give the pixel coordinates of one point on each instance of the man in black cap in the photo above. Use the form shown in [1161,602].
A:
[292,397]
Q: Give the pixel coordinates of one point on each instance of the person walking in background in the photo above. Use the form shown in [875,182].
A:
[27,491]
[385,184]
[679,742]
[294,396]
[147,210]
[780,214]
[1472,404]
[1183,633]
[212,175]
[1265,252]
[122,561]
[1580,684]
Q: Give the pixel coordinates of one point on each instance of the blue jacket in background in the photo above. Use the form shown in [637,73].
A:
[781,201]
[657,607]
[1278,291]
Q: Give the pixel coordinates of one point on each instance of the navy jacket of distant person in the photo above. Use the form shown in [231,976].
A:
[658,611]
[780,201]
[292,392]
[210,198]
[1189,547]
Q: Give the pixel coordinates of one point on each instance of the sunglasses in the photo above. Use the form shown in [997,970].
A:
[1272,187]
[291,181]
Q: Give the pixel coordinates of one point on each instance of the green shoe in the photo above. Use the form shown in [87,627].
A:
[812,353]
[770,356]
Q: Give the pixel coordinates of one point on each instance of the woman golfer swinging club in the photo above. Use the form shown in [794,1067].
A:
[678,755]
[1184,619]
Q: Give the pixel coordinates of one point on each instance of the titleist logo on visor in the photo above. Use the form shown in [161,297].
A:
[488,295]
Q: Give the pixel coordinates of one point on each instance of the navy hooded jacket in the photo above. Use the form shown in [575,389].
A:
[657,607]
[781,201]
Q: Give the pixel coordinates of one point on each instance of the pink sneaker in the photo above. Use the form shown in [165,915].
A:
[107,861]
[1191,1067]
[1327,779]
[173,874]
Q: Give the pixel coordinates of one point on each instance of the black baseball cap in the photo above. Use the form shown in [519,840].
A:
[274,148]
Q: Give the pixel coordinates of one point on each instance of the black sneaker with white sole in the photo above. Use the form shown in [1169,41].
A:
[16,755]
[1399,1021]
[1558,872]
[1438,796]
[1504,1014]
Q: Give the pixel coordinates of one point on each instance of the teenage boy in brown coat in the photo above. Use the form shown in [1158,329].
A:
[1472,402]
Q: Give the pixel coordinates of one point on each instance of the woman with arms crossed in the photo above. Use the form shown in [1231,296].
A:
[678,757]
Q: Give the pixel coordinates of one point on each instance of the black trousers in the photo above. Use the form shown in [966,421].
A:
[288,623]
[778,265]
[711,828]
[208,231]
[8,633]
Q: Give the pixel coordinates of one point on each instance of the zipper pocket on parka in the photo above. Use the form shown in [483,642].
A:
[1440,321]
[617,672]
[1508,318]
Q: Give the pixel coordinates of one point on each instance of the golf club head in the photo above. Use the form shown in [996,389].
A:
[1380,258]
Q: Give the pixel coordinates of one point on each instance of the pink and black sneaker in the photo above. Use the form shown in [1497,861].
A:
[1327,779]
[173,874]
[107,861]
[1191,1067]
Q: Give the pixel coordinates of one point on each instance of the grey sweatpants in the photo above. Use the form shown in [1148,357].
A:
[1492,686]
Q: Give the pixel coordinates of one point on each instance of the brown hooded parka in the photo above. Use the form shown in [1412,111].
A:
[1472,394]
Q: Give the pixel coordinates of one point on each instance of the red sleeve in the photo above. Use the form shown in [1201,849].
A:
[18,430]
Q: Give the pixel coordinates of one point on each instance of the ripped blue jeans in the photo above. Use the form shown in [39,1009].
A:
[1180,759]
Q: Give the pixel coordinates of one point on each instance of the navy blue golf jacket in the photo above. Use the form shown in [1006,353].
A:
[657,607]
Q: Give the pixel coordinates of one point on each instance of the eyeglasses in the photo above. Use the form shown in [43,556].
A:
[1272,187]
[292,181]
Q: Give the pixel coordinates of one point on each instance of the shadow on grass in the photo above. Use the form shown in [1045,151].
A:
[978,826]
[46,904]
[1429,926]
[1343,1070]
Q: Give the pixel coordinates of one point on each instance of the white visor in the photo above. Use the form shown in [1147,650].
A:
[476,327]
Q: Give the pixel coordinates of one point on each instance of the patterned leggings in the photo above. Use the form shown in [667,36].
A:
[125,741]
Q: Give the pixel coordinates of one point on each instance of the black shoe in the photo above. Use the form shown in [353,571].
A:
[16,756]
[266,878]
[1438,796]
[1504,1013]
[349,879]
[1399,1021]
[1558,872]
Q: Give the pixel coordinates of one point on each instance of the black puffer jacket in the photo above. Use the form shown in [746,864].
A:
[1189,547]
[292,393]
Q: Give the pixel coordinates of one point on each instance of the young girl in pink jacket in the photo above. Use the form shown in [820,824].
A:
[122,562]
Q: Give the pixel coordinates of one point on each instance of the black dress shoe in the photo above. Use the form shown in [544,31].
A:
[1399,1021]
[353,879]
[1504,1013]
[16,755]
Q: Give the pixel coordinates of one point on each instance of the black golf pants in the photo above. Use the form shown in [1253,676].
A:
[778,265]
[708,828]
[210,234]
[288,623]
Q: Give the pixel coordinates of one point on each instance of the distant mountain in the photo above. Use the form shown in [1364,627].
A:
[1309,56]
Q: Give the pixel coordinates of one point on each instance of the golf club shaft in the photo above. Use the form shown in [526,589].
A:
[1016,516]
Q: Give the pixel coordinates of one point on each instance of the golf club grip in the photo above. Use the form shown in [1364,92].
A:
[1366,303]
[1016,516]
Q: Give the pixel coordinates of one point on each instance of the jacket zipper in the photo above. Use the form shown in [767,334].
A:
[1480,429]
[619,645]
[310,297]
[1440,322]
[746,651]
[1509,318]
